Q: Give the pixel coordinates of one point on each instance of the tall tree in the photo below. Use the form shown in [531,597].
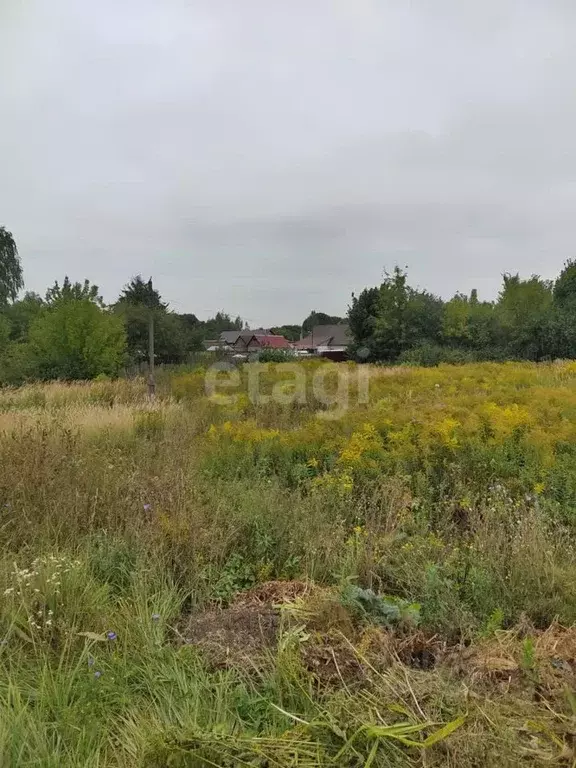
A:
[524,309]
[471,324]
[69,291]
[192,331]
[563,333]
[4,333]
[11,280]
[407,317]
[222,321]
[387,320]
[141,293]
[77,339]
[290,332]
[422,318]
[362,318]
[565,286]
[21,313]
[390,330]
[456,320]
[319,318]
[134,305]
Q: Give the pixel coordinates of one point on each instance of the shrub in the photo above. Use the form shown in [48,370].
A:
[149,424]
[275,356]
[433,354]
[77,339]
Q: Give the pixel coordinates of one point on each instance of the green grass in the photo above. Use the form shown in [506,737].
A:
[118,518]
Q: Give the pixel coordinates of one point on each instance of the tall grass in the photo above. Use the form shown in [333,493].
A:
[117,516]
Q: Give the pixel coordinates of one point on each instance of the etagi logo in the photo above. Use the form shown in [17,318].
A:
[333,386]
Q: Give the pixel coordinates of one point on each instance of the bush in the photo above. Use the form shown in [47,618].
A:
[17,364]
[275,356]
[77,339]
[149,424]
[429,355]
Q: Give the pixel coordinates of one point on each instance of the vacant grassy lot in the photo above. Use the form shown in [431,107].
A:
[229,581]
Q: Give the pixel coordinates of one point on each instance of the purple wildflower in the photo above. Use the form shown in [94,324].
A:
[97,674]
[111,635]
[90,661]
[155,617]
[147,507]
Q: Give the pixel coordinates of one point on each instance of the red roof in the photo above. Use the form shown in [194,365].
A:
[278,342]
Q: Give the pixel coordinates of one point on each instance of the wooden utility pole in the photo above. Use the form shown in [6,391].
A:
[151,379]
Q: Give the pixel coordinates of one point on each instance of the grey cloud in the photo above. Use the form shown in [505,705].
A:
[268,157]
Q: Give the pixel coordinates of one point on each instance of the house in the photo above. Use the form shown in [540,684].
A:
[212,345]
[330,341]
[229,338]
[253,341]
[225,342]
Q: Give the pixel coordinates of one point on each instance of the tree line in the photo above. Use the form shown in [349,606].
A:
[531,319]
[70,333]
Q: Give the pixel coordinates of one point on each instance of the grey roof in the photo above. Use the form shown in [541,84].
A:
[327,336]
[337,335]
[231,337]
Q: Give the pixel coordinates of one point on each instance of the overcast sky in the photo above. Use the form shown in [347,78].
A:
[269,157]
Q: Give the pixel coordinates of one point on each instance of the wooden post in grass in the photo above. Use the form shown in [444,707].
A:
[151,379]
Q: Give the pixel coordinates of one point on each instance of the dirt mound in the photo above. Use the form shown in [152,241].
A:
[332,660]
[418,649]
[557,642]
[275,593]
[242,632]
[546,659]
[335,649]
[234,635]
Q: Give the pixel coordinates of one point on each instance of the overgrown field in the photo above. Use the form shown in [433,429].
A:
[264,579]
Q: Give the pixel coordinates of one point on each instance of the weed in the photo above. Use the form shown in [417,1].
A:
[403,522]
[149,424]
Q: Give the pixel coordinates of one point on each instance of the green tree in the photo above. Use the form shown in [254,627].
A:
[470,324]
[563,322]
[169,333]
[75,338]
[423,318]
[406,317]
[4,333]
[456,320]
[135,304]
[17,364]
[193,332]
[362,319]
[525,313]
[319,318]
[69,291]
[290,332]
[390,331]
[11,280]
[222,321]
[565,287]
[21,313]
[484,328]
[138,293]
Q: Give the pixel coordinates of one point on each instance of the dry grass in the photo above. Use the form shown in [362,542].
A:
[181,535]
[88,418]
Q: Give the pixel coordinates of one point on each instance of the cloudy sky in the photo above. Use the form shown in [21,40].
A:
[271,156]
